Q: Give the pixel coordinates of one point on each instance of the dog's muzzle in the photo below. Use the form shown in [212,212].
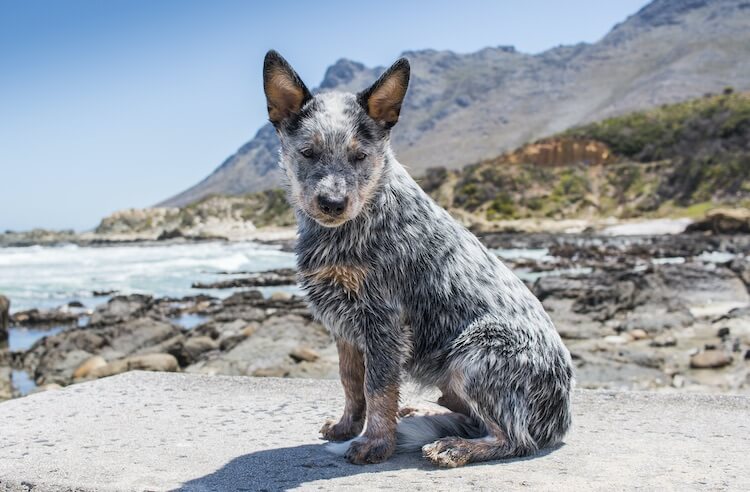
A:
[332,207]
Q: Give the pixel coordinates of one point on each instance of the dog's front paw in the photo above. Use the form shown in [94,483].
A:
[341,431]
[368,451]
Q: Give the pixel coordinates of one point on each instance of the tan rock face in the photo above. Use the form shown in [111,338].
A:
[561,152]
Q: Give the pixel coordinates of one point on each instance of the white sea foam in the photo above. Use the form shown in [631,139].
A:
[42,276]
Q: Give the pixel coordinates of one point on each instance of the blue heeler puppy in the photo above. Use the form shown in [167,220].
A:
[406,290]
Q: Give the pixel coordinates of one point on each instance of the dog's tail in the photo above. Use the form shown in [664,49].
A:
[414,432]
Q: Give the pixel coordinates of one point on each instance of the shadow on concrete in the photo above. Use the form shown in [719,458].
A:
[287,468]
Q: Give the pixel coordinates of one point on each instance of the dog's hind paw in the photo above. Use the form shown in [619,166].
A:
[447,453]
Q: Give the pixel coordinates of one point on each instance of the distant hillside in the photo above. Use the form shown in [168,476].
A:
[213,216]
[675,160]
[462,108]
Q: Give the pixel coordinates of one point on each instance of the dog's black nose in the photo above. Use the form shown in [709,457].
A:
[332,207]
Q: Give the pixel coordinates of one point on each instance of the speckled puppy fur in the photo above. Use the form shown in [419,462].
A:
[407,291]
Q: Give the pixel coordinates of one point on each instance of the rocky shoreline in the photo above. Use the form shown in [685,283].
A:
[644,312]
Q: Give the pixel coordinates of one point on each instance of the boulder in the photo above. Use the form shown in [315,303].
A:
[281,295]
[304,354]
[194,347]
[58,366]
[664,340]
[6,383]
[710,359]
[4,320]
[638,334]
[45,317]
[271,278]
[88,366]
[741,266]
[146,362]
[120,309]
[270,372]
[723,221]
[142,333]
[45,387]
[54,359]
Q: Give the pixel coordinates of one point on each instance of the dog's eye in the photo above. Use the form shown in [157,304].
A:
[360,156]
[307,152]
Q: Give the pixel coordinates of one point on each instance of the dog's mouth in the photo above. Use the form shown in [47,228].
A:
[331,222]
[328,220]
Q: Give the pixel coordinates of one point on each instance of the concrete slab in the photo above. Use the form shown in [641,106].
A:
[159,431]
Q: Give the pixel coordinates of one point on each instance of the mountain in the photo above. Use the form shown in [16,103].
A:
[463,108]
[676,160]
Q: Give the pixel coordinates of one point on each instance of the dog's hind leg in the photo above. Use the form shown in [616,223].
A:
[453,402]
[505,423]
[516,384]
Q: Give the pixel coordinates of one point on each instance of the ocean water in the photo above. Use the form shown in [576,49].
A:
[50,276]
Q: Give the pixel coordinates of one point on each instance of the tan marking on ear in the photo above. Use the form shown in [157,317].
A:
[283,95]
[384,103]
[350,277]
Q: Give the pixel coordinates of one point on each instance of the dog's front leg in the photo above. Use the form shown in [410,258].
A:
[383,358]
[352,372]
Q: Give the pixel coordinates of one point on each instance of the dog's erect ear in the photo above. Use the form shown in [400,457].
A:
[285,91]
[383,99]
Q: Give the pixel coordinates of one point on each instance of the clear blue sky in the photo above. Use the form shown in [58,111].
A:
[113,104]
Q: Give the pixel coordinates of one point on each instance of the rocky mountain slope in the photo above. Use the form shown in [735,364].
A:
[462,108]
[675,160]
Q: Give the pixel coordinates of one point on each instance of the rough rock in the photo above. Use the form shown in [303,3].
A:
[6,383]
[4,320]
[54,359]
[58,367]
[638,334]
[724,221]
[710,359]
[266,351]
[664,340]
[147,362]
[45,317]
[121,308]
[271,278]
[89,365]
[741,266]
[194,347]
[199,433]
[138,334]
[304,354]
